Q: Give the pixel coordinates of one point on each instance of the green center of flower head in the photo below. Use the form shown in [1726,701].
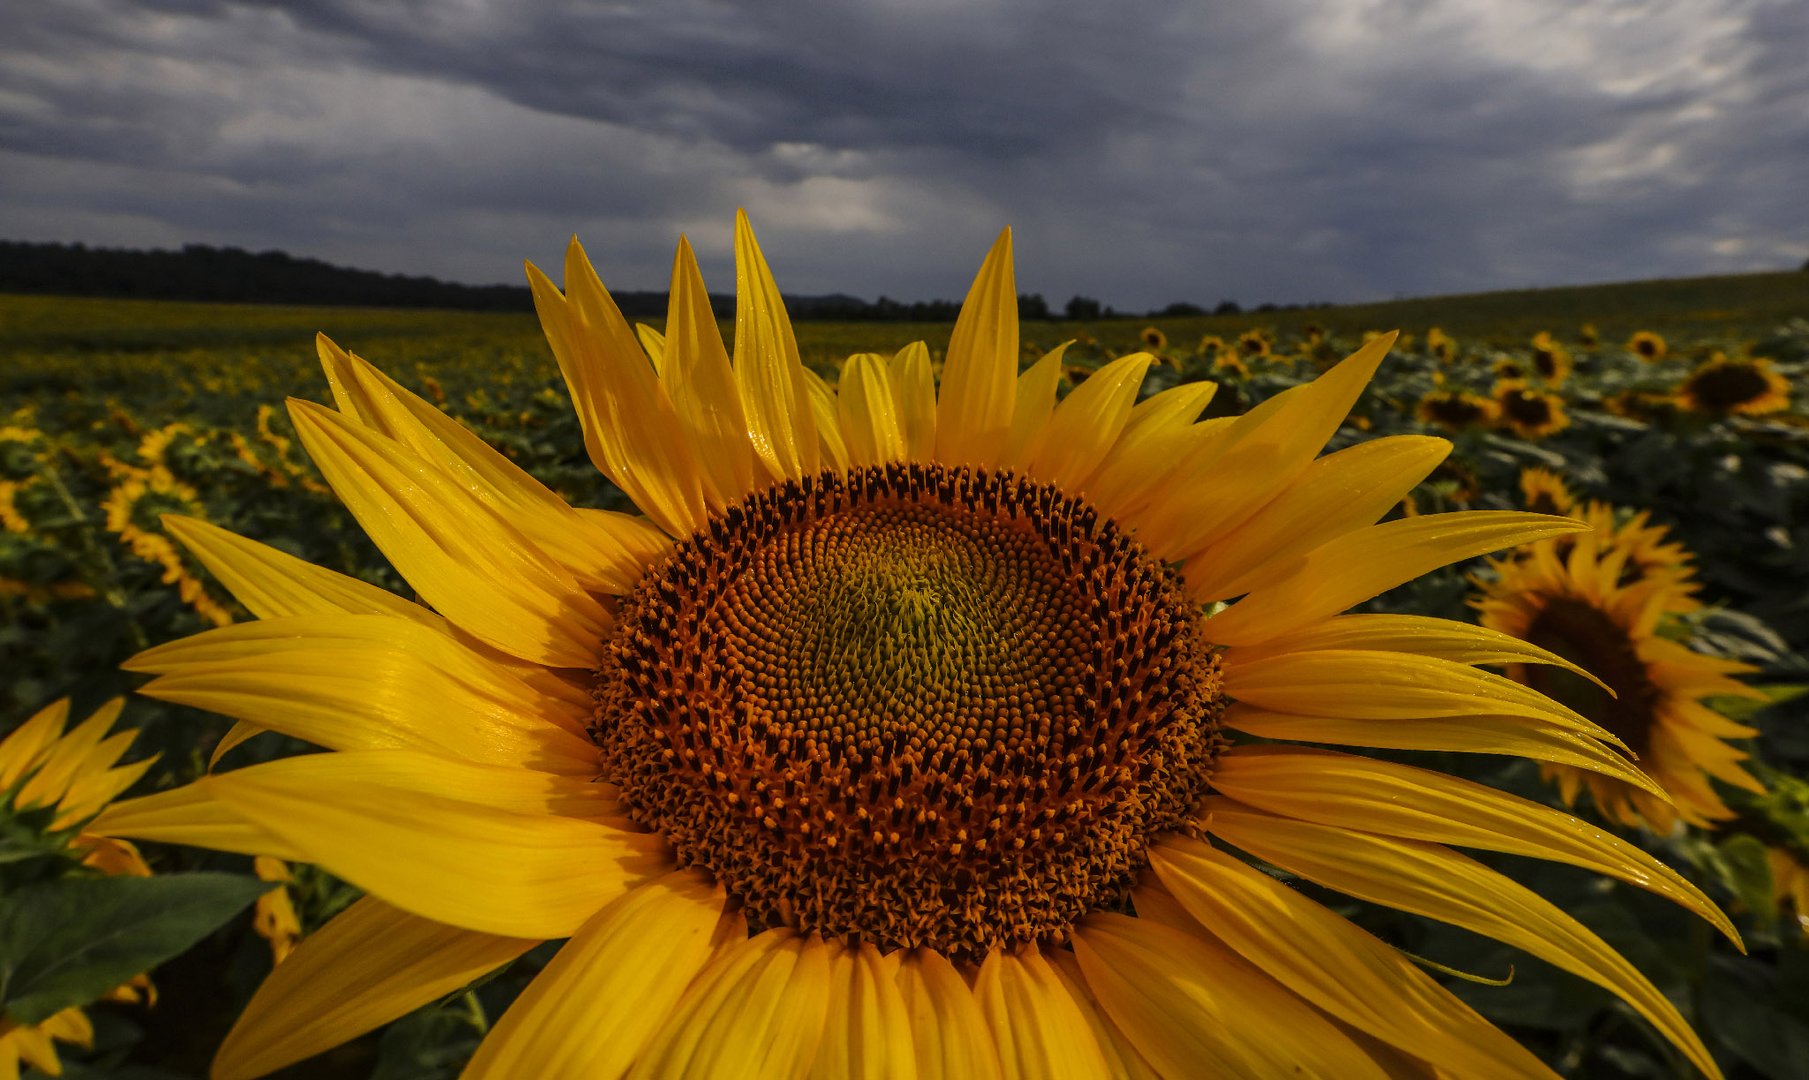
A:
[912,705]
[1586,636]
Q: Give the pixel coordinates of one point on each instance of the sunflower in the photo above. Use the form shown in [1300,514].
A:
[1648,346]
[1581,600]
[1528,413]
[1545,492]
[1790,885]
[1153,339]
[1210,345]
[1254,343]
[903,731]
[1455,410]
[1722,386]
[1551,361]
[1588,336]
[52,783]
[1441,345]
[1230,365]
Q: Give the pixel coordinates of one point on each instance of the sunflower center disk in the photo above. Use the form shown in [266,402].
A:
[1589,638]
[912,705]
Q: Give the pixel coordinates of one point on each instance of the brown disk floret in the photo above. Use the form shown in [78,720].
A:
[1587,636]
[913,705]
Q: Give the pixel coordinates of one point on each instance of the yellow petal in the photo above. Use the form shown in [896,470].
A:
[866,1031]
[1461,642]
[1037,1027]
[979,374]
[59,765]
[1034,405]
[26,745]
[1333,964]
[1434,881]
[832,448]
[914,396]
[756,1010]
[1334,495]
[464,557]
[190,815]
[1121,1055]
[602,558]
[272,583]
[1368,562]
[698,376]
[599,1001]
[653,343]
[1088,421]
[1510,735]
[1192,1006]
[368,966]
[868,414]
[368,682]
[949,1033]
[1267,450]
[1399,800]
[774,395]
[1145,452]
[631,430]
[454,861]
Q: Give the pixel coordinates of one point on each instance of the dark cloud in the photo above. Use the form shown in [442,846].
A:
[1341,149]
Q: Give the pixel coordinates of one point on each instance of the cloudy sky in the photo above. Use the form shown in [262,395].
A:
[1283,150]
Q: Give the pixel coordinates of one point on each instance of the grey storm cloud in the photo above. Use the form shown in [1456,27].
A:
[1304,149]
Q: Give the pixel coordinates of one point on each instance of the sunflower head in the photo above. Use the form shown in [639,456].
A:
[1648,346]
[911,724]
[1211,345]
[1231,365]
[1254,343]
[1742,387]
[1588,336]
[1550,361]
[1455,410]
[1153,339]
[1545,492]
[1441,345]
[1527,412]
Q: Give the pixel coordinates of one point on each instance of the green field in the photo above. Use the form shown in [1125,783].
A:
[113,413]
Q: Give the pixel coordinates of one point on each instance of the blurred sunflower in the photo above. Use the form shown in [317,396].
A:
[52,784]
[1230,364]
[1551,361]
[1528,413]
[1441,345]
[1640,405]
[1153,339]
[1588,336]
[1648,346]
[1255,343]
[891,739]
[1545,492]
[1721,387]
[1455,410]
[1583,600]
[1790,885]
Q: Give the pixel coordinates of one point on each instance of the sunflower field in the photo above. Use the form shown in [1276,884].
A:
[1674,619]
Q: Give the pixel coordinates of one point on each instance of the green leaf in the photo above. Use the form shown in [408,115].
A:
[1747,1008]
[65,943]
[1746,871]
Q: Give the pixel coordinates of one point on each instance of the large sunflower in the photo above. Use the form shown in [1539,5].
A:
[1723,386]
[53,781]
[1588,598]
[899,737]
[1528,413]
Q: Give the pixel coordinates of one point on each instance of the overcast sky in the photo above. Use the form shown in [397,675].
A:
[1277,150]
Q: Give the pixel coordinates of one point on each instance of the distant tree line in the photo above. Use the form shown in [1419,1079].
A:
[233,275]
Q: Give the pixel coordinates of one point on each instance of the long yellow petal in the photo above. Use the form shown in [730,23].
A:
[1368,562]
[25,745]
[774,395]
[1391,799]
[1038,1029]
[867,1031]
[914,395]
[272,583]
[1334,495]
[631,430]
[949,1033]
[868,413]
[369,965]
[367,682]
[599,1001]
[1361,684]
[447,859]
[702,384]
[1434,881]
[979,375]
[1088,421]
[1035,403]
[1191,1006]
[1511,735]
[191,815]
[755,1011]
[465,558]
[591,552]
[653,343]
[62,762]
[832,448]
[1145,453]
[1120,1052]
[1333,964]
[1422,635]
[1268,448]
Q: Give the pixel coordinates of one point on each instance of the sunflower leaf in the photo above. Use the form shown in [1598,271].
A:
[65,943]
